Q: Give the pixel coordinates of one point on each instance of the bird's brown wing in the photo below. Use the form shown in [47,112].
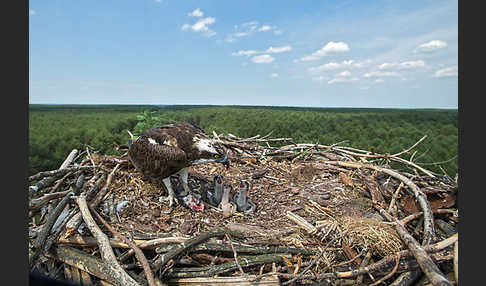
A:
[156,160]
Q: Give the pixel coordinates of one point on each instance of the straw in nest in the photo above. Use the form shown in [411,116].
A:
[380,238]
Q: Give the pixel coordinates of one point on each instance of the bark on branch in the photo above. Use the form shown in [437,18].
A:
[115,270]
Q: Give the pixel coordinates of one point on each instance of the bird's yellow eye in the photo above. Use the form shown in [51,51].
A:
[216,156]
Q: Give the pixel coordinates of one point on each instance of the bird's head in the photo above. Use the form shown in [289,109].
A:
[244,186]
[218,180]
[211,151]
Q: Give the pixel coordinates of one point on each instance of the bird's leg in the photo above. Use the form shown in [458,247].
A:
[170,197]
[183,175]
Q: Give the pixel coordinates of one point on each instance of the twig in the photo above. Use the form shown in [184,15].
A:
[236,256]
[69,159]
[42,236]
[389,274]
[178,249]
[426,264]
[106,251]
[138,253]
[395,195]
[410,148]
[315,260]
[429,229]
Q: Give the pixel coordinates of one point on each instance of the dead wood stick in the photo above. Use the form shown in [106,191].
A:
[411,147]
[394,197]
[212,270]
[92,191]
[204,247]
[364,263]
[85,278]
[407,263]
[138,253]
[59,172]
[69,159]
[151,244]
[37,204]
[456,261]
[178,249]
[75,222]
[109,258]
[394,270]
[78,240]
[429,228]
[301,222]
[42,236]
[425,262]
[411,217]
[270,280]
[83,261]
[387,156]
[59,183]
[315,259]
[236,257]
[99,196]
[407,278]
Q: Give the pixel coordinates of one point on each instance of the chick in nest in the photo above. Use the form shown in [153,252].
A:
[243,202]
[228,207]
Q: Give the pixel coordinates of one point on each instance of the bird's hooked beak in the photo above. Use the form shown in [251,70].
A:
[224,161]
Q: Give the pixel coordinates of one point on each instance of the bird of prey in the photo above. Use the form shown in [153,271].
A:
[163,151]
[243,202]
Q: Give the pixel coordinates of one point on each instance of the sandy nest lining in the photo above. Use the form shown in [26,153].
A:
[312,190]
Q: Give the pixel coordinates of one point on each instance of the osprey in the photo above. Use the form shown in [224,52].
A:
[243,202]
[163,151]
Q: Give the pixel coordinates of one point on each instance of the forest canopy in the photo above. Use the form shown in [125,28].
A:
[54,130]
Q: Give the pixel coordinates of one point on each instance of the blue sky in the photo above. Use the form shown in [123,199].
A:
[385,53]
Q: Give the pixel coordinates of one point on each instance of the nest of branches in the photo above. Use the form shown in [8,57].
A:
[324,213]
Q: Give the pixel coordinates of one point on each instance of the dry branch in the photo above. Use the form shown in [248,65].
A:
[69,159]
[121,277]
[42,236]
[429,229]
[138,253]
[426,264]
[178,249]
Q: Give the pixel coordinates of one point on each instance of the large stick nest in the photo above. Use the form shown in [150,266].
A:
[339,202]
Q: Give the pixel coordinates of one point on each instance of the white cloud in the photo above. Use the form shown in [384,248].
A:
[431,46]
[274,75]
[278,49]
[185,27]
[265,28]
[411,64]
[379,80]
[263,59]
[445,72]
[202,25]
[403,65]
[380,74]
[333,66]
[244,53]
[344,74]
[386,66]
[196,13]
[248,29]
[271,50]
[320,78]
[329,48]
[31,12]
[342,79]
